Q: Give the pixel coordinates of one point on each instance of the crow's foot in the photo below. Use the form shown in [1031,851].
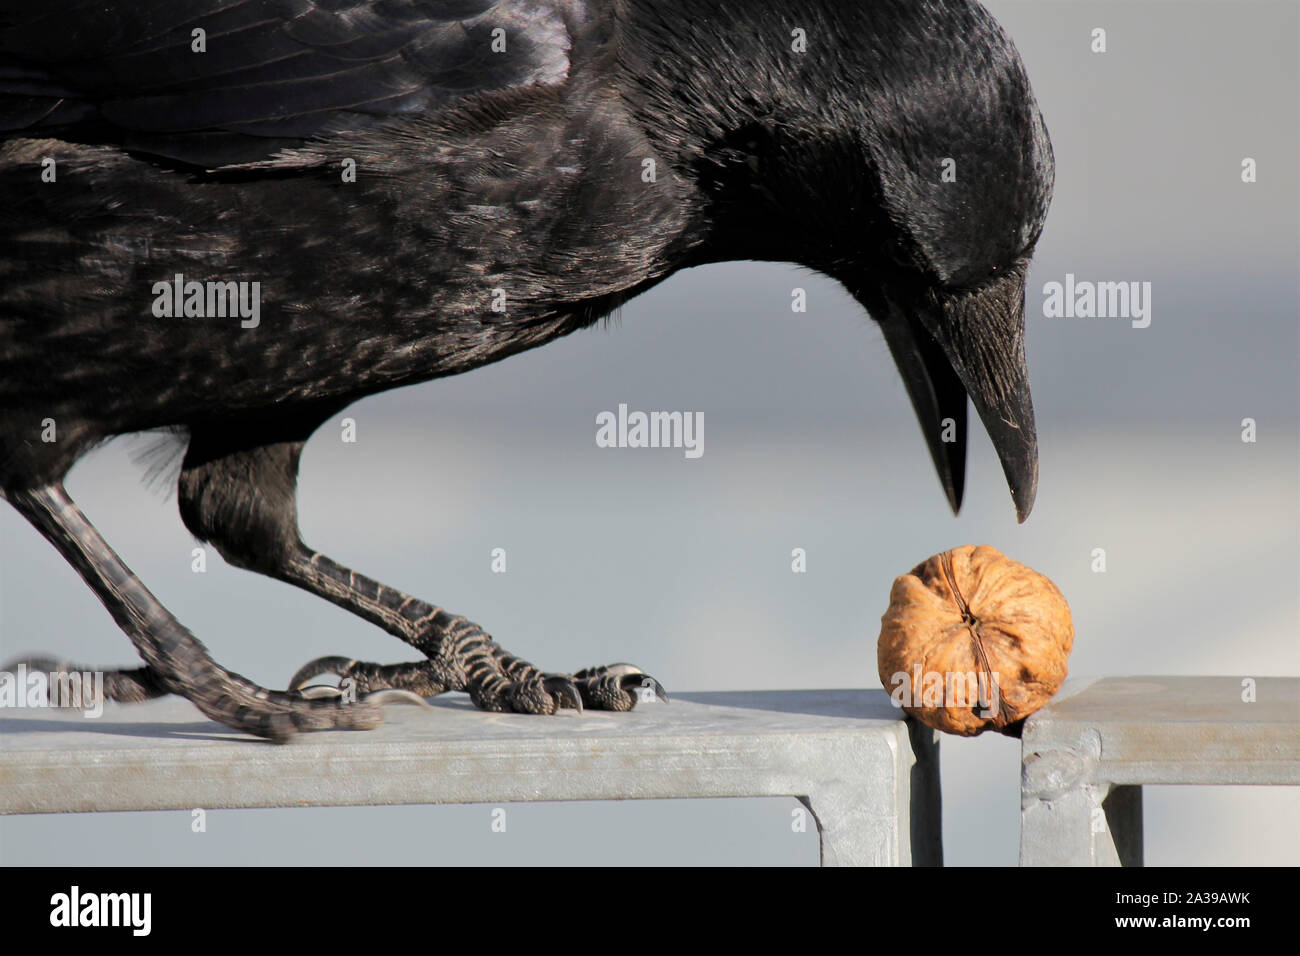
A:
[618,687]
[222,695]
[520,688]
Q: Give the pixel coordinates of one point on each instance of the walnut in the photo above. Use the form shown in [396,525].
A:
[973,640]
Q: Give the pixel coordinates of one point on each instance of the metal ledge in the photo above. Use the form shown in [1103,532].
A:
[870,777]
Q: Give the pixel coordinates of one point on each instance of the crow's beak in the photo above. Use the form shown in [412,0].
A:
[972,343]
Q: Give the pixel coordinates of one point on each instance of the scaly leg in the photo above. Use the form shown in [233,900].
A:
[243,500]
[177,662]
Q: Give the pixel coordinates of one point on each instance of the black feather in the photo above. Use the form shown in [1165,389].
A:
[478,174]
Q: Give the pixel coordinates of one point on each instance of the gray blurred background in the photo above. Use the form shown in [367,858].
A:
[683,566]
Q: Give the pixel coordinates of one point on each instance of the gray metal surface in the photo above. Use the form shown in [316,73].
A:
[1085,757]
[870,778]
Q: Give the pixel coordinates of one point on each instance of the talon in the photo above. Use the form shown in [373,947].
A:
[390,695]
[566,690]
[319,692]
[622,669]
[635,682]
[321,665]
[393,695]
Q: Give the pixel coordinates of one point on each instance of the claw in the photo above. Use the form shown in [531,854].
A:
[319,692]
[634,678]
[321,665]
[393,695]
[631,679]
[640,682]
[643,680]
[566,689]
[390,695]
[621,669]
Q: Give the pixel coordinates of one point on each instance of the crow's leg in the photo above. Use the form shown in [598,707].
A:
[177,662]
[243,501]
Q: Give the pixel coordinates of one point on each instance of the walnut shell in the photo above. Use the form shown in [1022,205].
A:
[973,640]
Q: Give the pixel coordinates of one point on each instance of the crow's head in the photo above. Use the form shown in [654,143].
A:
[894,145]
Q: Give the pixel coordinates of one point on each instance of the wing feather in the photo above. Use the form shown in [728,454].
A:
[274,73]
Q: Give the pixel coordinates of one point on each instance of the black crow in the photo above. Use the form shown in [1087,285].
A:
[234,218]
